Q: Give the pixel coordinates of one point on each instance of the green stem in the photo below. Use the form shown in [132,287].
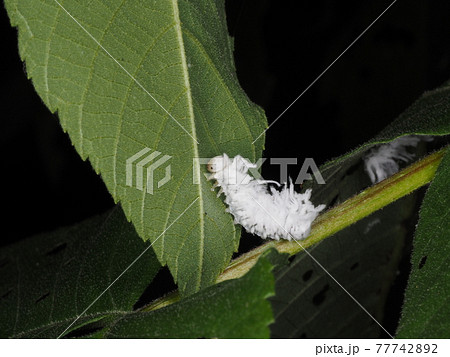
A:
[335,219]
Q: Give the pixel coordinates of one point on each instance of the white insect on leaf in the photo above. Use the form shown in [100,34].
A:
[383,161]
[261,209]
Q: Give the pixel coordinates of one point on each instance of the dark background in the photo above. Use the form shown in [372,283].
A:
[280,48]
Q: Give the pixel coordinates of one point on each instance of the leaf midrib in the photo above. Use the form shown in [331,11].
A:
[196,164]
[222,82]
[96,316]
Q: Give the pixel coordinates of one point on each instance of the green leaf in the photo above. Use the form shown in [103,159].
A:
[428,115]
[426,309]
[113,70]
[48,280]
[296,314]
[233,309]
[363,258]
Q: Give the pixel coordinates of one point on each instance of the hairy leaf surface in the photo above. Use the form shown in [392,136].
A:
[375,254]
[47,281]
[426,311]
[311,293]
[232,309]
[127,76]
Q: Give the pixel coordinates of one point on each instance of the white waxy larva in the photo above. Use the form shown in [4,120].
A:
[260,209]
[383,161]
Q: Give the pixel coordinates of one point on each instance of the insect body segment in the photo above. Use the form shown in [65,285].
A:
[260,209]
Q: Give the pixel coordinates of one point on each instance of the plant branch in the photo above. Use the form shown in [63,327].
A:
[335,219]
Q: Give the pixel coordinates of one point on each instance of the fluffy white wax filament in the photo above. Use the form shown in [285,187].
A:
[260,209]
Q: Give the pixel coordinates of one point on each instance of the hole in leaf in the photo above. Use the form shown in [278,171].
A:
[319,298]
[291,258]
[57,248]
[6,294]
[307,275]
[354,266]
[422,261]
[161,284]
[3,262]
[303,335]
[42,297]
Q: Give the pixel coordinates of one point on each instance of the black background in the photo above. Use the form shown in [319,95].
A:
[280,48]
